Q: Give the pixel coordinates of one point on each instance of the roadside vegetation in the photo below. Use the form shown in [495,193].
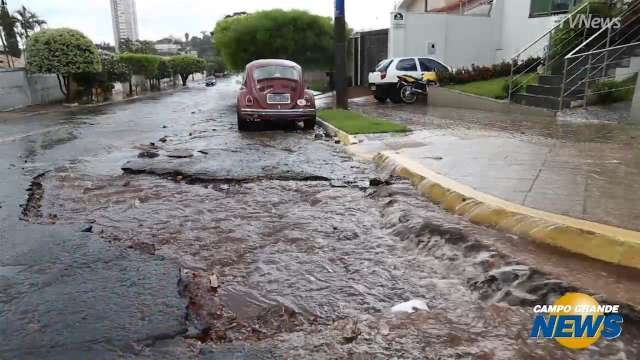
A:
[278,34]
[612,91]
[490,80]
[356,123]
[497,88]
[63,52]
[319,86]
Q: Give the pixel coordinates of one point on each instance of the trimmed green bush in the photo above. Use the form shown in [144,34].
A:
[64,52]
[185,65]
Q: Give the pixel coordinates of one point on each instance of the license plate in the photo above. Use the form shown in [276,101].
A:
[278,98]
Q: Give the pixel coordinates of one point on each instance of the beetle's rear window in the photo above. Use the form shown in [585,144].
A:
[276,72]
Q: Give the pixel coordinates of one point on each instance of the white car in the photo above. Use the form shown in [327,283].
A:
[383,81]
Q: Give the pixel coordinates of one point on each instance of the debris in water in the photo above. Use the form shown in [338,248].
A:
[378,182]
[163,139]
[410,307]
[180,154]
[148,155]
[350,330]
[88,229]
[213,281]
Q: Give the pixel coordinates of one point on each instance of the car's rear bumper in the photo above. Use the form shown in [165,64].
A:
[278,114]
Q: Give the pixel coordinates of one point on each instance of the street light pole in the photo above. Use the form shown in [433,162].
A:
[340,75]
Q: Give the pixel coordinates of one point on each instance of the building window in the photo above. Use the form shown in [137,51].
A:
[551,7]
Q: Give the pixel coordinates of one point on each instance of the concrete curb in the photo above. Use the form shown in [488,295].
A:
[603,242]
[344,137]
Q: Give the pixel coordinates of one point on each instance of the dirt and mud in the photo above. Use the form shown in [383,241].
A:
[307,269]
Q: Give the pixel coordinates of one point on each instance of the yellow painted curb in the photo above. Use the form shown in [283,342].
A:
[603,242]
[344,137]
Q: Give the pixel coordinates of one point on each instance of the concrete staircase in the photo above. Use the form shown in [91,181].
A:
[544,94]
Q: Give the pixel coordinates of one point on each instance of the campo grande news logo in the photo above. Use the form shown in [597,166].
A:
[577,321]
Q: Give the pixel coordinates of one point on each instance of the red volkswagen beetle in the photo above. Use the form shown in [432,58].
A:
[274,91]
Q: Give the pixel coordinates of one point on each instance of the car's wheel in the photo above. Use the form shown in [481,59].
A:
[381,93]
[381,99]
[310,124]
[394,95]
[243,125]
[407,95]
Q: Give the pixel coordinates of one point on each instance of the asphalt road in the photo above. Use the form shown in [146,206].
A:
[154,229]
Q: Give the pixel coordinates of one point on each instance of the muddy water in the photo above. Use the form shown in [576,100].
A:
[289,249]
[304,269]
[514,125]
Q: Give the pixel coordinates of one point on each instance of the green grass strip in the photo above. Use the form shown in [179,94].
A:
[356,123]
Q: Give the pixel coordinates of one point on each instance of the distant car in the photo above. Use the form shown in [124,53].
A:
[384,79]
[274,91]
[211,81]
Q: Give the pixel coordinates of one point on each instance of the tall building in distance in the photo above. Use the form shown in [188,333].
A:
[125,20]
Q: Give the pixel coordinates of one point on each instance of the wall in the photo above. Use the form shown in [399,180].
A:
[17,89]
[456,45]
[518,30]
[466,40]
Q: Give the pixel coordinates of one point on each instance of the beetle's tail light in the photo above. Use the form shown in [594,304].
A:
[383,75]
[249,100]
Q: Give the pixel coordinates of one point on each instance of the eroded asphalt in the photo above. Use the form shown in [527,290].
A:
[155,230]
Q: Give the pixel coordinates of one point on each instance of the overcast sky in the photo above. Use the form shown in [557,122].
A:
[159,18]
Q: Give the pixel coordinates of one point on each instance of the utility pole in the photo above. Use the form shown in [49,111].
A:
[340,75]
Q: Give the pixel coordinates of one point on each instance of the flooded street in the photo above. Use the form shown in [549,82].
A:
[274,245]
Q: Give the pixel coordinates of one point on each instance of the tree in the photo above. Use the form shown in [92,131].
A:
[8,24]
[113,69]
[295,35]
[137,47]
[4,46]
[186,65]
[63,52]
[203,45]
[27,22]
[141,64]
[216,66]
[164,71]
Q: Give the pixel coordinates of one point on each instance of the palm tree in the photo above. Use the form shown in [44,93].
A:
[4,49]
[27,22]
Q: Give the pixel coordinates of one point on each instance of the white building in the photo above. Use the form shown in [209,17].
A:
[465,32]
[125,20]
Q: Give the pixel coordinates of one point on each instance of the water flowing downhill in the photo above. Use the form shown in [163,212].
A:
[288,248]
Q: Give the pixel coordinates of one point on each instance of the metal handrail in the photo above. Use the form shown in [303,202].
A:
[586,4]
[634,6]
[547,61]
[588,79]
[515,58]
[598,59]
[607,49]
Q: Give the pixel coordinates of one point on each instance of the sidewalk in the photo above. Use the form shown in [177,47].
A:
[589,171]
